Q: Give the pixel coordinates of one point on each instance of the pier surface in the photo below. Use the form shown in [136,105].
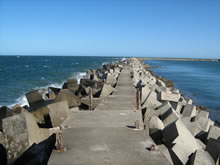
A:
[108,135]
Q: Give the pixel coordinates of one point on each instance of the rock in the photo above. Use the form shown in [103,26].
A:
[16,108]
[214,132]
[37,154]
[4,113]
[34,98]
[180,140]
[189,111]
[106,90]
[163,149]
[152,101]
[213,148]
[201,157]
[66,95]
[58,112]
[20,132]
[170,96]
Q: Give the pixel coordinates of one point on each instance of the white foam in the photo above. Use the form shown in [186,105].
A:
[26,66]
[79,75]
[21,101]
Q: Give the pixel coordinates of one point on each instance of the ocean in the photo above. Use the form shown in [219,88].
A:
[198,80]
[20,74]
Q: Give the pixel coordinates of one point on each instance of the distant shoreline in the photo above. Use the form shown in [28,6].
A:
[177,59]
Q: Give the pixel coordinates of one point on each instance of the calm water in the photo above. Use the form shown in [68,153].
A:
[196,79]
[20,74]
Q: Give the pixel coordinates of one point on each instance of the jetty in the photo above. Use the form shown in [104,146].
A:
[108,135]
[120,114]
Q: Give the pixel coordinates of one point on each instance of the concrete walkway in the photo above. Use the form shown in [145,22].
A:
[107,135]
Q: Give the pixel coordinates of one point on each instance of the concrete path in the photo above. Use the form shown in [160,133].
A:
[107,136]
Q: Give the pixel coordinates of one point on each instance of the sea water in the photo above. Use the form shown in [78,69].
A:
[20,74]
[199,80]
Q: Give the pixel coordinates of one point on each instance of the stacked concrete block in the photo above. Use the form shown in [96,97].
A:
[189,111]
[180,140]
[214,132]
[201,157]
[58,112]
[170,96]
[20,132]
[152,100]
[106,90]
[213,148]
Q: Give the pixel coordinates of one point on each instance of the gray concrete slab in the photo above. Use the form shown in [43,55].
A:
[104,119]
[106,146]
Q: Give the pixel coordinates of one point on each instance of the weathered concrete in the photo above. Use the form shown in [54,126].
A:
[214,132]
[184,143]
[213,148]
[201,157]
[66,95]
[58,112]
[106,90]
[20,132]
[152,101]
[2,139]
[189,111]
[170,96]
[110,135]
[34,98]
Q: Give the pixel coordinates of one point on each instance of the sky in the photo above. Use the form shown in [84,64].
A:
[145,28]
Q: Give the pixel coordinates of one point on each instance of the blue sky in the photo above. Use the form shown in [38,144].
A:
[153,28]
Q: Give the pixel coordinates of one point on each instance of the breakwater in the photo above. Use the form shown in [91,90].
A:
[119,114]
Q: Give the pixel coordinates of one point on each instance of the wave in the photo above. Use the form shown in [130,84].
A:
[22,100]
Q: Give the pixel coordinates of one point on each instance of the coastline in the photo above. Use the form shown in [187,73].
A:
[177,59]
[123,98]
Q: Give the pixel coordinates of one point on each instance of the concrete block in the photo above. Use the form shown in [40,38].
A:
[58,112]
[193,127]
[66,95]
[170,96]
[201,143]
[155,124]
[163,149]
[164,109]
[152,101]
[201,157]
[40,114]
[155,127]
[106,90]
[145,91]
[111,79]
[214,132]
[2,139]
[184,143]
[34,98]
[172,116]
[20,132]
[189,111]
[204,123]
[213,148]
[149,113]
[202,114]
[4,113]
[177,106]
